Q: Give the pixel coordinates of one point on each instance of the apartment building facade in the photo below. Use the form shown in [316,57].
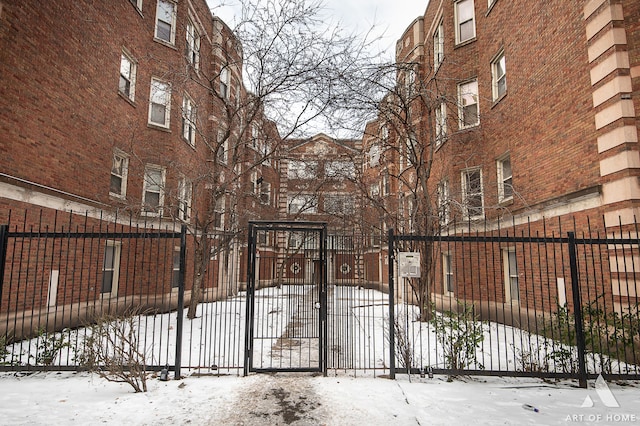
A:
[527,116]
[134,117]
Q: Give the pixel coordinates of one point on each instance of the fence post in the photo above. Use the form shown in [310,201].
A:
[4,239]
[180,318]
[392,314]
[577,312]
[248,332]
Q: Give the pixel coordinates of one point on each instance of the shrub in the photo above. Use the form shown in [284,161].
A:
[111,350]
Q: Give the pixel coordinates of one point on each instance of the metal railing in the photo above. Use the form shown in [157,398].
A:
[508,301]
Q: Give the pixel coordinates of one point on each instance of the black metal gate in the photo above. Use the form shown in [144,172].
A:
[286,321]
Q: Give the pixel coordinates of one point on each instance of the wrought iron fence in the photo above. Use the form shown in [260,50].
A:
[513,300]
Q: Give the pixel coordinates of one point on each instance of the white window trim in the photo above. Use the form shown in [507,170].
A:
[172,37]
[264,190]
[438,45]
[160,192]
[193,44]
[132,78]
[189,114]
[223,148]
[167,105]
[457,22]
[461,105]
[123,177]
[225,79]
[466,194]
[117,249]
[137,4]
[303,203]
[502,179]
[508,274]
[444,207]
[441,124]
[495,78]
[447,272]
[219,208]
[185,195]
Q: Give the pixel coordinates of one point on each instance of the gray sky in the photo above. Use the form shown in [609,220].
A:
[390,16]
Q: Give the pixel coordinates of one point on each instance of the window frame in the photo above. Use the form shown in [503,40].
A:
[443,193]
[502,179]
[192,44]
[124,174]
[185,199]
[462,96]
[161,190]
[466,195]
[459,24]
[222,155]
[338,204]
[153,94]
[438,46]
[172,29]
[441,124]
[509,254]
[133,68]
[175,268]
[114,269]
[189,116]
[496,63]
[339,169]
[309,204]
[448,287]
[225,82]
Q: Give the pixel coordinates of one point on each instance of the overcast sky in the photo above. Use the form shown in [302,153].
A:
[390,16]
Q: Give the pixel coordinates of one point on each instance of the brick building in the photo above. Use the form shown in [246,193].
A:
[134,117]
[527,116]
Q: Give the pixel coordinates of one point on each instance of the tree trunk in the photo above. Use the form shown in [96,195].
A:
[201,259]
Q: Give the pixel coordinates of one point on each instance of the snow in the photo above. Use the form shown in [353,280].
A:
[301,399]
[61,398]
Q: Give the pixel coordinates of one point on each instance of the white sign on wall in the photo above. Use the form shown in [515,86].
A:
[409,264]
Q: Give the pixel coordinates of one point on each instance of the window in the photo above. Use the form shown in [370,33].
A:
[223,147]
[119,170]
[438,46]
[219,213]
[512,287]
[110,268]
[411,145]
[444,212]
[265,192]
[490,3]
[468,104]
[137,4]
[472,196]
[447,273]
[374,190]
[175,270]
[255,133]
[465,21]
[505,180]
[224,82]
[166,21]
[185,190]
[189,120]
[339,204]
[340,170]
[302,169]
[374,155]
[159,103]
[127,84]
[386,184]
[384,133]
[193,45]
[153,190]
[303,204]
[441,123]
[499,76]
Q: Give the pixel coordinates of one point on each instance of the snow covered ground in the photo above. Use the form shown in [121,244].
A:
[200,399]
[77,398]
